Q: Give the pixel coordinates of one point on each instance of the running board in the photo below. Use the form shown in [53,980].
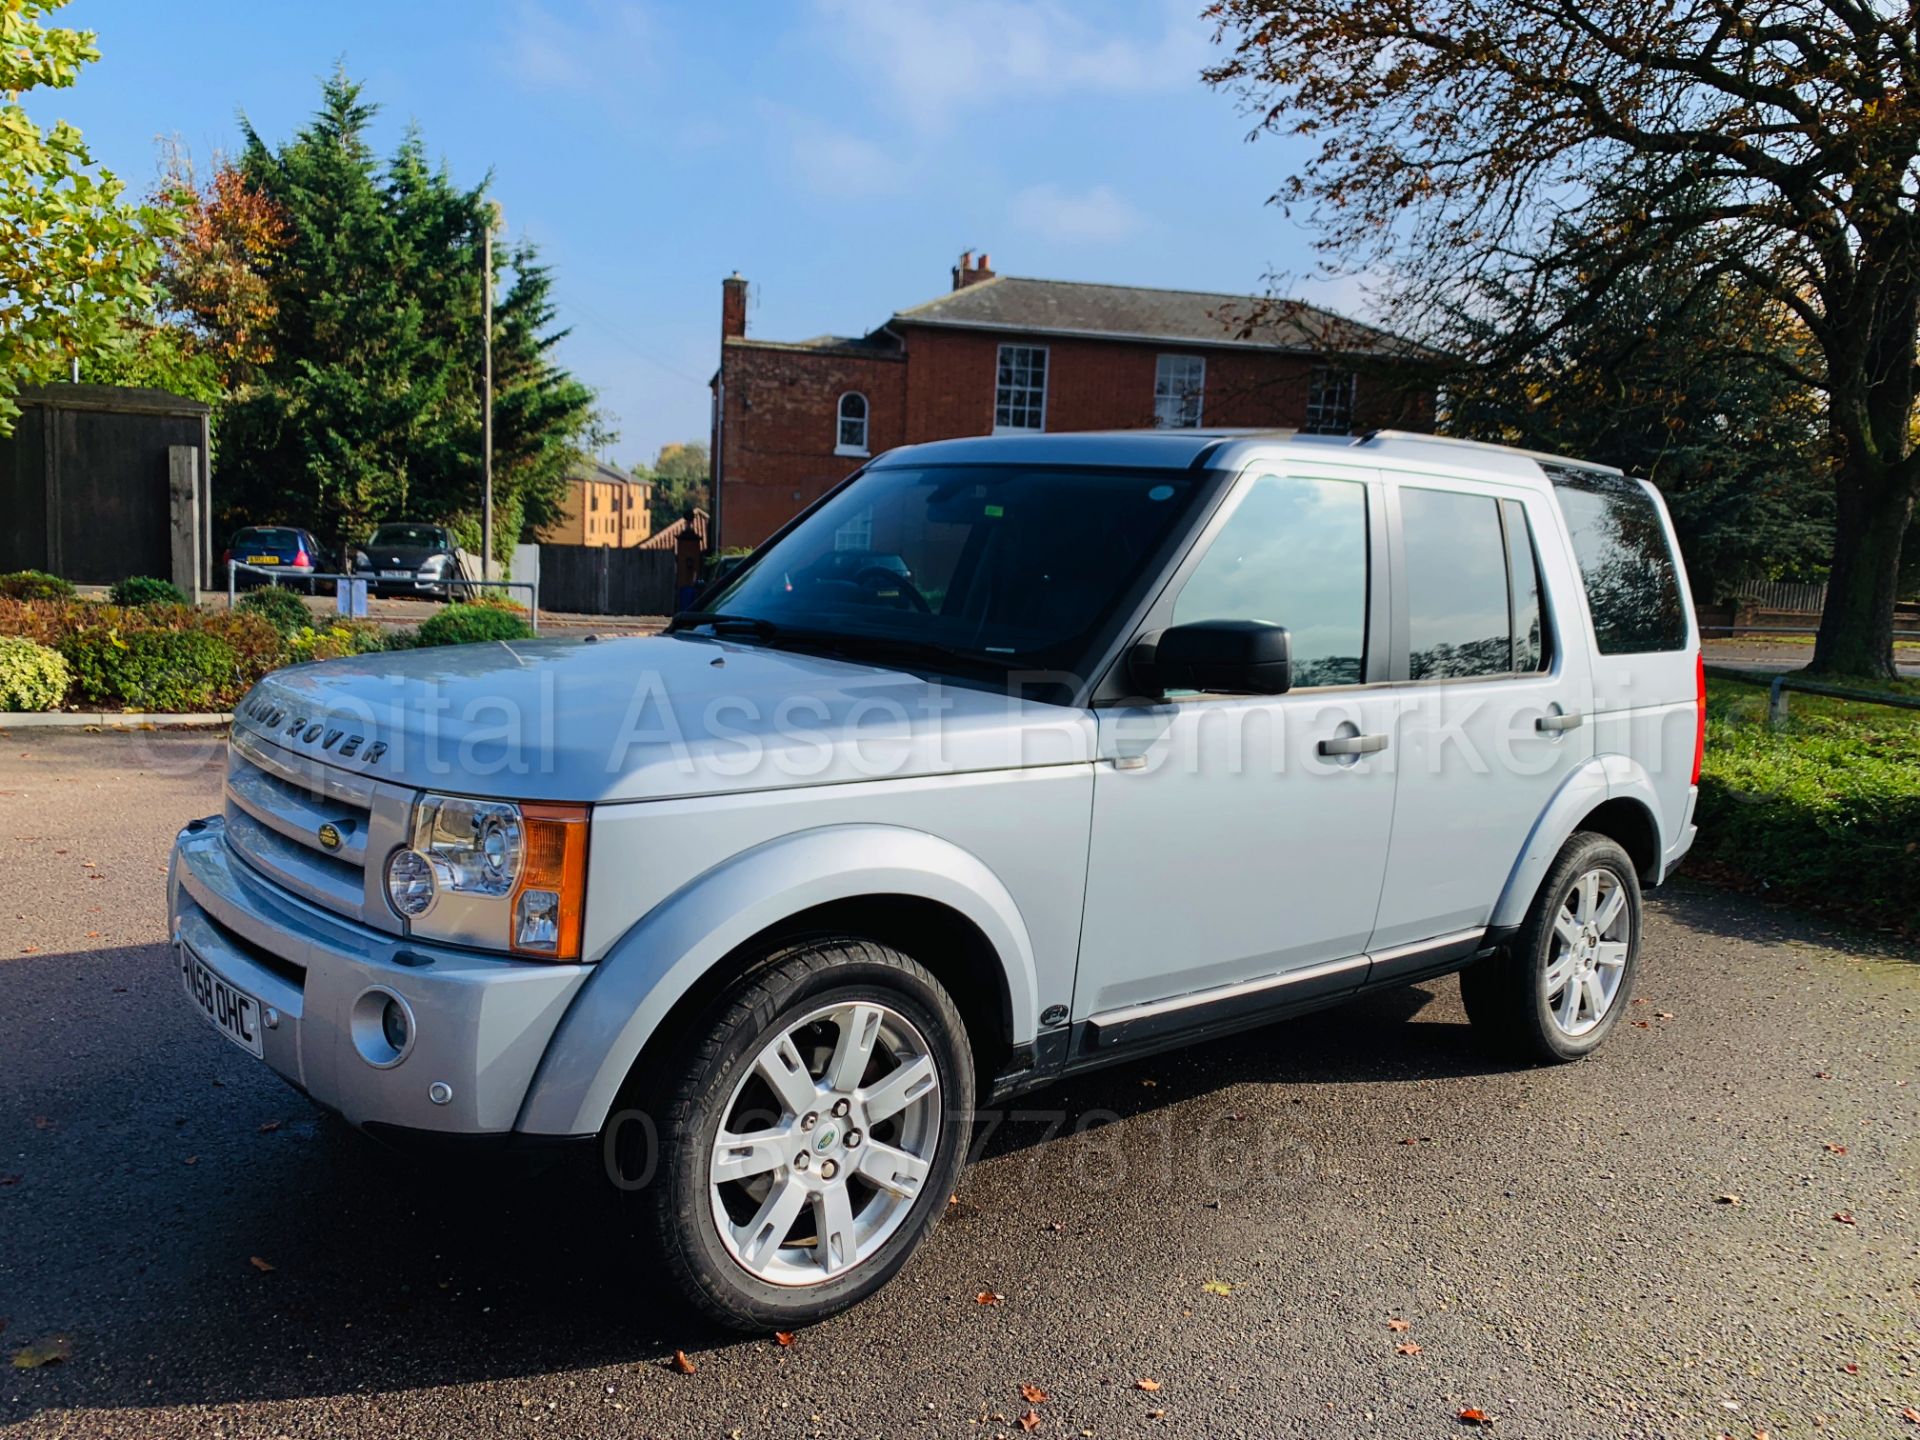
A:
[1311,985]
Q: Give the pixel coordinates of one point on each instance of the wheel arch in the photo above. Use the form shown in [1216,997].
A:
[1607,795]
[920,894]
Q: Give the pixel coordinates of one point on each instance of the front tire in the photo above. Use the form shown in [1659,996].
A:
[815,1121]
[1557,990]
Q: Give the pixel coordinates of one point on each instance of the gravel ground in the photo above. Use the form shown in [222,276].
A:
[1559,1243]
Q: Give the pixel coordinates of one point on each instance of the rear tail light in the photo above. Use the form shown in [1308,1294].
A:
[300,560]
[1700,713]
[226,557]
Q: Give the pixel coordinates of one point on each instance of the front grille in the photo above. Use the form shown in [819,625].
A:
[316,830]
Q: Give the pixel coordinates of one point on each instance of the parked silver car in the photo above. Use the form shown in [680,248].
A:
[1146,738]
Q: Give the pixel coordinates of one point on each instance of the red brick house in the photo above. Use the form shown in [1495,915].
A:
[999,353]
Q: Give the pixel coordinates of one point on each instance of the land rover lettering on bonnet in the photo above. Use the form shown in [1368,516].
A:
[1010,757]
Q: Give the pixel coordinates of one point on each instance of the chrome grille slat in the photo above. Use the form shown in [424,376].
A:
[278,801]
[298,814]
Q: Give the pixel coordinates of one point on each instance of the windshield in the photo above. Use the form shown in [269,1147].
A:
[420,536]
[1012,567]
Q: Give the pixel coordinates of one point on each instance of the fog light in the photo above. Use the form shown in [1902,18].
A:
[410,883]
[536,920]
[393,1025]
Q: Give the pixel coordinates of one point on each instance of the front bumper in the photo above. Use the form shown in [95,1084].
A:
[481,1023]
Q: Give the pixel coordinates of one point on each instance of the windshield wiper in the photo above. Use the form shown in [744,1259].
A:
[906,645]
[719,620]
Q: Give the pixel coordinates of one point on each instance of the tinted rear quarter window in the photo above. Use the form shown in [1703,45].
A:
[1633,587]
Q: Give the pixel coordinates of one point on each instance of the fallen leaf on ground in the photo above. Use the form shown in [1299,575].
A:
[1833,1149]
[43,1122]
[263,1266]
[1471,1416]
[1147,1385]
[1851,1368]
[1726,1199]
[270,1127]
[1030,1420]
[191,1160]
[6,1180]
[1643,1024]
[1911,1415]
[1156,1414]
[1218,1287]
[1033,1395]
[1407,1347]
[682,1364]
[988,1297]
[783,1338]
[43,1352]
[1845,1217]
[1397,1325]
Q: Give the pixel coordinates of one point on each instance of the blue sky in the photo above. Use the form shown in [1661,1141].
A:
[838,153]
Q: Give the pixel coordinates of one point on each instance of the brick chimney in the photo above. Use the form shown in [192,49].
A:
[967,273]
[733,307]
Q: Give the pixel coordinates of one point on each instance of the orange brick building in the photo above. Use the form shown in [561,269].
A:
[998,353]
[604,506]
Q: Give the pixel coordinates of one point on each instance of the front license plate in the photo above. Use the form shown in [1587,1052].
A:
[396,574]
[229,1009]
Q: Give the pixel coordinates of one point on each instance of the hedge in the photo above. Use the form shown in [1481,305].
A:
[283,609]
[32,676]
[146,590]
[181,670]
[34,585]
[466,624]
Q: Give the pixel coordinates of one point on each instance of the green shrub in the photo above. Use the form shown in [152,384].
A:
[493,600]
[174,670]
[32,677]
[283,609]
[336,639]
[34,585]
[146,590]
[466,624]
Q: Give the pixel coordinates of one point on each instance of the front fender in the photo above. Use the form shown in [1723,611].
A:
[658,960]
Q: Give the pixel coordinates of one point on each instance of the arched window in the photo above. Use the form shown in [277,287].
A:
[853,425]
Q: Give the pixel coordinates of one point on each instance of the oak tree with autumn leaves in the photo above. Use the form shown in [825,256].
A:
[1452,139]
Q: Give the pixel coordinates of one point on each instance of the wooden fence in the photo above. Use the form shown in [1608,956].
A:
[607,580]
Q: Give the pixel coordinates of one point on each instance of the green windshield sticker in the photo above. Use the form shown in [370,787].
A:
[994,512]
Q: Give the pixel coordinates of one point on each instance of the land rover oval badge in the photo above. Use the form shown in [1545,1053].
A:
[330,836]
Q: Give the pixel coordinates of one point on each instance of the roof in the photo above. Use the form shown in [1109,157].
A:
[667,537]
[1131,312]
[587,468]
[877,346]
[1229,449]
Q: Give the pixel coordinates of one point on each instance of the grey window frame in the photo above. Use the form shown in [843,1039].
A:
[1317,401]
[1166,397]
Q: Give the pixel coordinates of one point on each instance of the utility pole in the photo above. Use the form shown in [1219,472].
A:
[486,395]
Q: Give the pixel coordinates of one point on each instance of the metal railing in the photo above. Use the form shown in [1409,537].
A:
[1777,696]
[1786,630]
[284,576]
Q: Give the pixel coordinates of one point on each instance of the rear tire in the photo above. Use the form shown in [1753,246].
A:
[1558,988]
[842,1074]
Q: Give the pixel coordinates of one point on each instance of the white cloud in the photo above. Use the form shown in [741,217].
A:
[600,45]
[1095,215]
[936,59]
[836,162]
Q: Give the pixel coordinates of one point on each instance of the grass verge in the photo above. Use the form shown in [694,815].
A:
[1824,812]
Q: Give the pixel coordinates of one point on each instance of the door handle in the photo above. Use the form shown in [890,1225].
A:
[1554,724]
[1353,745]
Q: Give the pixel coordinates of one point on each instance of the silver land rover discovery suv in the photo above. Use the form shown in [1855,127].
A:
[1008,758]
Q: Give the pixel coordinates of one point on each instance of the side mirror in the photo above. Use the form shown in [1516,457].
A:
[1236,657]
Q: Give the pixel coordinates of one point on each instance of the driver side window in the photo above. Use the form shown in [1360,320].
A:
[1293,553]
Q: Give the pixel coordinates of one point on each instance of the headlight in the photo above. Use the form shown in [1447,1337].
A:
[493,873]
[434,563]
[360,560]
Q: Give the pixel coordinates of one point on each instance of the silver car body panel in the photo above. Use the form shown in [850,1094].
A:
[733,786]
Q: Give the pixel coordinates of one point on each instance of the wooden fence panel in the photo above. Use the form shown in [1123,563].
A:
[605,580]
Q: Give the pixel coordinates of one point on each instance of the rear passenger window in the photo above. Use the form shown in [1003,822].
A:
[1293,553]
[1459,622]
[1633,588]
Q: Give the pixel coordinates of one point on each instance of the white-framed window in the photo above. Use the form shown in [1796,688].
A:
[853,425]
[1330,393]
[1178,383]
[1020,389]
